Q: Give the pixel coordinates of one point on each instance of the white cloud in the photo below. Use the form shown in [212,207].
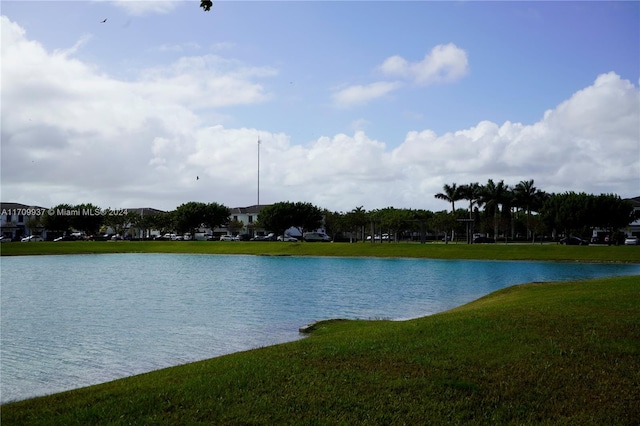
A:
[445,63]
[355,95]
[72,134]
[208,81]
[590,142]
[145,7]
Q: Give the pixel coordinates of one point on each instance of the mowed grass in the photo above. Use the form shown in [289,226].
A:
[558,353]
[553,252]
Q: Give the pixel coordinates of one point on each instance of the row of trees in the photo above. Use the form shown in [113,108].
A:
[93,220]
[567,213]
[495,209]
[498,199]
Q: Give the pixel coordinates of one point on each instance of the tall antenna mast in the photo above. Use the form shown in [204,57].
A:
[258,169]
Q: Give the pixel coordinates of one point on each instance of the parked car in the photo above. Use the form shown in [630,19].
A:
[574,241]
[631,241]
[165,237]
[316,236]
[5,240]
[269,237]
[483,240]
[286,238]
[31,239]
[227,238]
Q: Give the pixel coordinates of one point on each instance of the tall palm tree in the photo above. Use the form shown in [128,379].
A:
[529,198]
[452,193]
[493,196]
[470,192]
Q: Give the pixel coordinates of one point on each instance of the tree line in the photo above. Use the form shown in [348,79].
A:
[498,210]
[495,209]
[92,220]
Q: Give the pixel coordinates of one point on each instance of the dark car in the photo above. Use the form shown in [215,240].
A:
[483,240]
[574,241]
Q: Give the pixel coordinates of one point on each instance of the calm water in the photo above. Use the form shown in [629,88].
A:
[72,321]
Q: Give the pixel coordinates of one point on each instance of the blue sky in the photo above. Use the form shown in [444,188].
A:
[363,103]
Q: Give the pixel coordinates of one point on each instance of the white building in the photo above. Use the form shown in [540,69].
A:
[249,218]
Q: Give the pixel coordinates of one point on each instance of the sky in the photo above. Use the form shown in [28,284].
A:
[367,104]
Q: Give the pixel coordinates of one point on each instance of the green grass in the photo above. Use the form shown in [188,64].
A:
[560,353]
[553,252]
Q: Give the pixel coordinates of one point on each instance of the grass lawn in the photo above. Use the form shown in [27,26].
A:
[553,252]
[559,353]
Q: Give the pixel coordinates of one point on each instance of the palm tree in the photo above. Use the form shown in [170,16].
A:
[493,196]
[470,192]
[529,198]
[452,193]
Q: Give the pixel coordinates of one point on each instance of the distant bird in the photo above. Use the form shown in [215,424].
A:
[197,177]
[105,20]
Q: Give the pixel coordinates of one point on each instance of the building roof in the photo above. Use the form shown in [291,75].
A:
[7,206]
[255,209]
[145,211]
[635,201]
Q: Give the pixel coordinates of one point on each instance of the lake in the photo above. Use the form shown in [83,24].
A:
[73,321]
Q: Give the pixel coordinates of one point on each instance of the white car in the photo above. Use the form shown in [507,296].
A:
[227,238]
[5,240]
[631,241]
[31,239]
[287,239]
[316,236]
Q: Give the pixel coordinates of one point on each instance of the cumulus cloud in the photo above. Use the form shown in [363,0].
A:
[355,95]
[70,130]
[72,134]
[589,142]
[208,81]
[445,63]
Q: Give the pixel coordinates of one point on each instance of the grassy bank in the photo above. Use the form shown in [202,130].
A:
[565,353]
[554,252]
